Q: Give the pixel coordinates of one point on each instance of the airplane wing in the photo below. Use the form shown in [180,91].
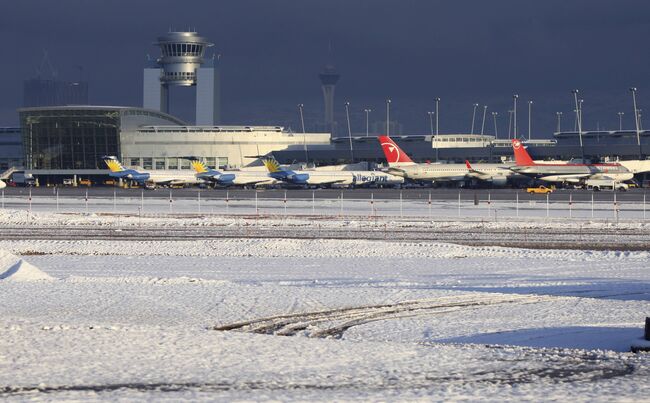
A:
[473,173]
[472,170]
[328,182]
[395,171]
[170,182]
[254,181]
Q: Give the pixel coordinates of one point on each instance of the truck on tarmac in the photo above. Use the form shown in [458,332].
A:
[605,184]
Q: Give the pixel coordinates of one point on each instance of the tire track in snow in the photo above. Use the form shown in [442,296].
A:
[334,322]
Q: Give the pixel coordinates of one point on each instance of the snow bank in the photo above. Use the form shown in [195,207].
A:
[13,268]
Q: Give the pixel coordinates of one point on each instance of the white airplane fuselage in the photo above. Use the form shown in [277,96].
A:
[350,178]
[172,177]
[452,172]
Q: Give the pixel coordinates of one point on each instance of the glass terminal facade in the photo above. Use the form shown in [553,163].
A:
[69,139]
[77,137]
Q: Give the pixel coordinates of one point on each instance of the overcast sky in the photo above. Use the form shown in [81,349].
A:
[409,50]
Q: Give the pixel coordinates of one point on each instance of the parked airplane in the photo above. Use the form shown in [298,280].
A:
[227,178]
[565,172]
[151,178]
[400,164]
[324,177]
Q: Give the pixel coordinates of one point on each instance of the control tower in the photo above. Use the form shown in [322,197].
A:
[182,64]
[328,78]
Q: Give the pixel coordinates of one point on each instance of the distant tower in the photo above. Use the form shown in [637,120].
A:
[181,64]
[328,78]
[47,90]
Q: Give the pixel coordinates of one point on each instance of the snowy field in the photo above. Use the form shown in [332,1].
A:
[258,319]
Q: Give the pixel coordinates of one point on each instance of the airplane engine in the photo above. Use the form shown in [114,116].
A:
[225,179]
[298,178]
[138,177]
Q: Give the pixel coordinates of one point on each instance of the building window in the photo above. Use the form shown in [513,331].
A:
[172,163]
[223,161]
[185,164]
[211,162]
[147,163]
[159,163]
[134,162]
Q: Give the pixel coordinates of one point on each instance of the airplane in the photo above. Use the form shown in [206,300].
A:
[227,178]
[323,176]
[151,178]
[565,172]
[399,163]
[2,184]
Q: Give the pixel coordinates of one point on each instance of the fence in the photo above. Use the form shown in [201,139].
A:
[465,206]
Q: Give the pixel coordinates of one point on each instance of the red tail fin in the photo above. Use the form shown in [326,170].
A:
[468,165]
[521,155]
[394,154]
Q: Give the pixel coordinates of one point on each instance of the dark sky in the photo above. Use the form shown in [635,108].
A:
[411,51]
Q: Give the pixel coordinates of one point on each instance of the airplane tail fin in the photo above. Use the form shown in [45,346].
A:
[521,155]
[394,154]
[113,163]
[198,165]
[271,164]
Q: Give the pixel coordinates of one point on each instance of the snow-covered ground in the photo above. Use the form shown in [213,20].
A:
[318,320]
[466,208]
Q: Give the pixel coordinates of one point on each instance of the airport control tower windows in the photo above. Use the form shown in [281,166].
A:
[181,64]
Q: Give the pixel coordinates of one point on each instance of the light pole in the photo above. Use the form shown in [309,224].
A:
[620,121]
[483,122]
[367,111]
[559,121]
[437,116]
[304,138]
[510,123]
[636,120]
[302,120]
[431,120]
[496,132]
[347,115]
[473,116]
[579,120]
[514,116]
[388,117]
[530,108]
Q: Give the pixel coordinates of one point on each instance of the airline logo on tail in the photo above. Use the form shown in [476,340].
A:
[271,164]
[199,166]
[113,164]
[522,158]
[394,154]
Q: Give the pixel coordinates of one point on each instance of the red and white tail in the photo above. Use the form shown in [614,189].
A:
[394,154]
[522,158]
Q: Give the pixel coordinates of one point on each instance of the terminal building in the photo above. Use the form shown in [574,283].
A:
[64,141]
[11,148]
